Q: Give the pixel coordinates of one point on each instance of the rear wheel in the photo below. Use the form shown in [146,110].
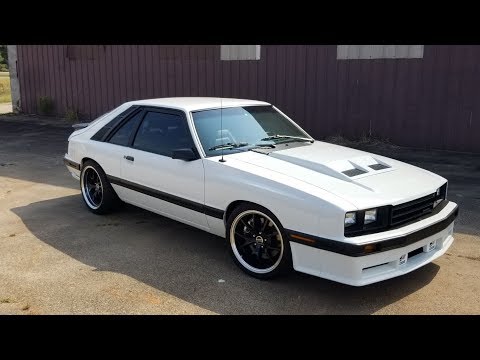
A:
[257,242]
[97,192]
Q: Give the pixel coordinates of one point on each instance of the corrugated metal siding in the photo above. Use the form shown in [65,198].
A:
[346,52]
[430,102]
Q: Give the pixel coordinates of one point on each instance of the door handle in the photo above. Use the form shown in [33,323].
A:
[128,157]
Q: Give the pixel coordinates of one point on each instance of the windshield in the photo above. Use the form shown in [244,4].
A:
[243,128]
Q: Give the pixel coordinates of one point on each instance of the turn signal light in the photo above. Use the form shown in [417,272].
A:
[369,248]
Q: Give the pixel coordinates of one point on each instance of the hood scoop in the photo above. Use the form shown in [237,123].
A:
[348,169]
[378,166]
[354,172]
[358,166]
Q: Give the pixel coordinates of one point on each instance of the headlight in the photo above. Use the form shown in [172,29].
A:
[440,194]
[438,198]
[350,219]
[365,221]
[370,216]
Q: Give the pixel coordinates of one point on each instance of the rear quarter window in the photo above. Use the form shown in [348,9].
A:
[123,134]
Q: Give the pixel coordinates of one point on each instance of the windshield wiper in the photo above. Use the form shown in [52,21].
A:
[270,146]
[277,136]
[228,145]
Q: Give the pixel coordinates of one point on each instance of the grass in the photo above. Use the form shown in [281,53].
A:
[5,95]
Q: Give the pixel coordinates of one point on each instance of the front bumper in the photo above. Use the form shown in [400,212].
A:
[352,269]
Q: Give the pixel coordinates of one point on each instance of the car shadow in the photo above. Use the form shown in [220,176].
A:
[188,263]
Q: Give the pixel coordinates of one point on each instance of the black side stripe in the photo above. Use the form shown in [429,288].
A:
[192,205]
[213,212]
[71,163]
[355,250]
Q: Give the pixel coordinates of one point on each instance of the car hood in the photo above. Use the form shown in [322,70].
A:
[363,179]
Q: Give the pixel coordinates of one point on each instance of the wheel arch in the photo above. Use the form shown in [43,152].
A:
[234,204]
[84,160]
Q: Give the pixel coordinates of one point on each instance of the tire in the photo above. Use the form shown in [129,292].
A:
[259,247]
[97,192]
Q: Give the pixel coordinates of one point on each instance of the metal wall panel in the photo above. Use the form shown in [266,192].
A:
[430,102]
[355,52]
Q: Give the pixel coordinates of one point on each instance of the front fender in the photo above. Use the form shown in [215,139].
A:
[299,206]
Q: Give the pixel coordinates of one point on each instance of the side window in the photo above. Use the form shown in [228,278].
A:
[161,133]
[122,135]
[104,131]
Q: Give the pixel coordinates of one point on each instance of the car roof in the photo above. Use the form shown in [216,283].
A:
[197,103]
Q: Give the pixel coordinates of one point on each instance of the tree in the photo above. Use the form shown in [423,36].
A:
[3,58]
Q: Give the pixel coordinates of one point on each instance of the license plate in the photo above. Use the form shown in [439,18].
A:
[403,259]
[430,246]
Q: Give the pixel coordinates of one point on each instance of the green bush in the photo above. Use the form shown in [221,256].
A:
[3,58]
[72,114]
[45,105]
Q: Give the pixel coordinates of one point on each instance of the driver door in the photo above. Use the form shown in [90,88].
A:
[170,187]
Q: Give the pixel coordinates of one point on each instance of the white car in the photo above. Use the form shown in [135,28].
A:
[243,170]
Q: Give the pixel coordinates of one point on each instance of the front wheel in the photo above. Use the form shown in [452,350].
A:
[257,241]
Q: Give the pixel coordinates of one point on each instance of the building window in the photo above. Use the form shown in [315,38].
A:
[239,52]
[350,52]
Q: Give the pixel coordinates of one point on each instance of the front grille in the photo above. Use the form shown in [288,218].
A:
[389,217]
[412,209]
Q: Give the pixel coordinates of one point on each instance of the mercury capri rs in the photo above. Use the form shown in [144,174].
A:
[245,171]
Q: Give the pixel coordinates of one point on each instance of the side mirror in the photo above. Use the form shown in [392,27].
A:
[184,154]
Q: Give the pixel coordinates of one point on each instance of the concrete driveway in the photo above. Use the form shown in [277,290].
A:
[58,258]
